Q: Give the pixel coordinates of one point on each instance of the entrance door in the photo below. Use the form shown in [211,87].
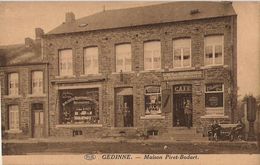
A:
[128,111]
[38,120]
[181,93]
[124,108]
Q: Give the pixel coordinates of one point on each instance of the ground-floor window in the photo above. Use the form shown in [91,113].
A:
[13,117]
[79,106]
[153,100]
[214,99]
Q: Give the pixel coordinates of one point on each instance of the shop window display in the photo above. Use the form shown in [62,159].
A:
[153,100]
[79,106]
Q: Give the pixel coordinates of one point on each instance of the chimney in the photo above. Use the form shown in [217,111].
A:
[69,17]
[28,42]
[38,33]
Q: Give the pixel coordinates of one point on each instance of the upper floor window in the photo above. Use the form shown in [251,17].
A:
[13,116]
[13,84]
[214,50]
[152,55]
[91,60]
[123,58]
[65,62]
[37,82]
[182,53]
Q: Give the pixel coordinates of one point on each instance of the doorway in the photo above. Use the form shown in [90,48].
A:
[181,94]
[124,108]
[37,120]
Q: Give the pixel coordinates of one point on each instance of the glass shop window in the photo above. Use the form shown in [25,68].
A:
[79,106]
[214,99]
[153,100]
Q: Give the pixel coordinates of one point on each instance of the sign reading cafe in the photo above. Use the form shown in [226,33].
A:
[79,106]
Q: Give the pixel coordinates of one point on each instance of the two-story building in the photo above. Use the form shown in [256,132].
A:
[128,70]
[136,68]
[24,98]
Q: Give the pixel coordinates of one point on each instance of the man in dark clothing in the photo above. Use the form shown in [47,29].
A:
[188,113]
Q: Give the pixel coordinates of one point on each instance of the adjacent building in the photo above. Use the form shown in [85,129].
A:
[134,70]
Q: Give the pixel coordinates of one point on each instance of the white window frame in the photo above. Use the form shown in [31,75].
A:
[120,54]
[220,109]
[68,61]
[38,80]
[14,118]
[93,57]
[179,40]
[152,67]
[213,51]
[13,84]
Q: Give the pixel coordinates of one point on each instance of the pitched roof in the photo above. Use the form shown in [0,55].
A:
[20,54]
[153,14]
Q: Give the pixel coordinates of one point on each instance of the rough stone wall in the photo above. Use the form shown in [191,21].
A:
[24,100]
[106,41]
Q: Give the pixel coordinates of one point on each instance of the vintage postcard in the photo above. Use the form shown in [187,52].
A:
[130,82]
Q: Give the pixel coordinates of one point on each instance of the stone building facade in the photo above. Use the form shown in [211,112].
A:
[139,75]
[105,74]
[23,79]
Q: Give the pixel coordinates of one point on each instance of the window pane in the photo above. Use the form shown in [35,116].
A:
[65,62]
[215,42]
[181,51]
[123,52]
[218,54]
[186,57]
[214,100]
[13,80]
[91,60]
[214,87]
[152,55]
[152,100]
[13,117]
[37,79]
[208,55]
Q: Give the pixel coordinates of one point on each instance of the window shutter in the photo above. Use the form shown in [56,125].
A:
[166,100]
[6,84]
[30,82]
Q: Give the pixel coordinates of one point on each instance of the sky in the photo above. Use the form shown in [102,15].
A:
[19,19]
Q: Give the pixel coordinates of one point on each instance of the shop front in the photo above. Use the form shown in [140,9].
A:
[79,106]
[182,94]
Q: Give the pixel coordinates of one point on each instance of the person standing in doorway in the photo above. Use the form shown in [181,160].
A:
[188,113]
[126,115]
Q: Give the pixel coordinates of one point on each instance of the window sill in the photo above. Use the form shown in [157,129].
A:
[37,95]
[69,76]
[150,71]
[77,125]
[182,69]
[214,66]
[12,96]
[214,117]
[152,117]
[130,72]
[90,75]
[14,131]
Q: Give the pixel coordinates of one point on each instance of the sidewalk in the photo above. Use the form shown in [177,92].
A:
[119,140]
